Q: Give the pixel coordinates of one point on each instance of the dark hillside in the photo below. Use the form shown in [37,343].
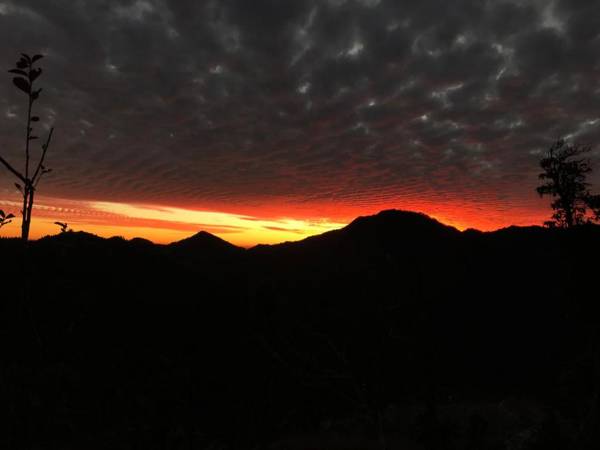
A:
[395,328]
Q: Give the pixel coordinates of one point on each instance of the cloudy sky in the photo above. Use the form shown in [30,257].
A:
[289,117]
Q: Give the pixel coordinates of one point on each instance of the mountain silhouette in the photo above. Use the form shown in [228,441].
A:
[205,242]
[205,249]
[385,232]
[394,325]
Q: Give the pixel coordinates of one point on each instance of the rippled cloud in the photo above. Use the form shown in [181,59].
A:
[306,107]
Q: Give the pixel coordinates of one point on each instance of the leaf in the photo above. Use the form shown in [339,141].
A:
[1,213]
[36,94]
[35,119]
[22,84]
[25,56]
[10,216]
[36,57]
[19,187]
[18,72]
[34,74]
[22,64]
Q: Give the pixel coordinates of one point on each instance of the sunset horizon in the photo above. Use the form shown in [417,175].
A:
[269,123]
[239,225]
[300,224]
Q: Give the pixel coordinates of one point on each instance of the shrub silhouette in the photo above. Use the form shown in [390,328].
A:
[5,219]
[29,178]
[564,179]
[64,227]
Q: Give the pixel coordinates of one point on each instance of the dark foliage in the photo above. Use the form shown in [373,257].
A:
[593,202]
[64,227]
[564,177]
[393,332]
[5,218]
[30,176]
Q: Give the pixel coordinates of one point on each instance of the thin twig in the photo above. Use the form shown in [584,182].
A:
[29,129]
[11,169]
[45,149]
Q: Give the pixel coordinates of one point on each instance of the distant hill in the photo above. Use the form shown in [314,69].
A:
[204,241]
[204,245]
[387,225]
[388,231]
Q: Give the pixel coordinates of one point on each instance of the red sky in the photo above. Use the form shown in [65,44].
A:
[247,226]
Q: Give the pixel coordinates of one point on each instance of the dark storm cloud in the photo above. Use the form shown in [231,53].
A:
[356,101]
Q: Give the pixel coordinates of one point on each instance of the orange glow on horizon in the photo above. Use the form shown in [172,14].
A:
[250,225]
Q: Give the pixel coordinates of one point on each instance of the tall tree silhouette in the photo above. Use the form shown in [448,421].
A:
[564,178]
[29,177]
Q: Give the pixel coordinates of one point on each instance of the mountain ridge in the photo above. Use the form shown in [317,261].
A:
[386,223]
[389,223]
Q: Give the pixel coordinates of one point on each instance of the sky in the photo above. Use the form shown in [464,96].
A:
[271,120]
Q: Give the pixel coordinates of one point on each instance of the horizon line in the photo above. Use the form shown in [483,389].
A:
[247,247]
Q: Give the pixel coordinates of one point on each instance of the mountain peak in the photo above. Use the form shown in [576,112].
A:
[205,241]
[400,219]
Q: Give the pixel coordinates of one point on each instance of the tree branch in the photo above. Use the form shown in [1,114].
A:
[12,170]
[45,149]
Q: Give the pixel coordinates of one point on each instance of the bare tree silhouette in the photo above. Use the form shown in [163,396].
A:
[29,178]
[564,179]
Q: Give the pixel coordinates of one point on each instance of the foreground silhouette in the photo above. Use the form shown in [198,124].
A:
[564,178]
[29,177]
[393,332]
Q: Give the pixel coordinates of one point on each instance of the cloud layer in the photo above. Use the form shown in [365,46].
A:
[309,107]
